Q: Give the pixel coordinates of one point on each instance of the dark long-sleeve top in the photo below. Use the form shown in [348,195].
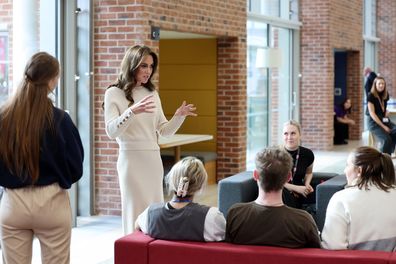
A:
[61,157]
[369,82]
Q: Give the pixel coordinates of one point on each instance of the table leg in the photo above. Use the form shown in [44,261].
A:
[177,153]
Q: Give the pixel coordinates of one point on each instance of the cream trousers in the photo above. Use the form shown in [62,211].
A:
[43,212]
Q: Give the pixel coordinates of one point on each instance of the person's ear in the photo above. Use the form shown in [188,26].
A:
[359,171]
[289,175]
[256,175]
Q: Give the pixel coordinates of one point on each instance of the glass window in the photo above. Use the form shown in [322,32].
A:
[257,89]
[286,9]
[31,31]
[280,102]
[265,7]
[4,67]
[370,20]
[270,89]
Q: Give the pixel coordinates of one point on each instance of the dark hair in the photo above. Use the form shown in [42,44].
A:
[26,115]
[376,168]
[273,165]
[342,105]
[130,63]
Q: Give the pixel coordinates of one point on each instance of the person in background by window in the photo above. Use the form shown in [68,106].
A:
[369,76]
[298,187]
[362,216]
[379,123]
[342,122]
[41,155]
[181,218]
[134,117]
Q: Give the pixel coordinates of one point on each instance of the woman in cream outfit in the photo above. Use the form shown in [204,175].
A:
[134,117]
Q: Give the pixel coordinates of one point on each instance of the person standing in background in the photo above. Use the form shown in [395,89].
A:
[369,76]
[134,117]
[41,155]
[342,122]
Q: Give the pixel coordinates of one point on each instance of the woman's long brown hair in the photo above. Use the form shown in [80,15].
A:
[130,63]
[26,116]
[376,168]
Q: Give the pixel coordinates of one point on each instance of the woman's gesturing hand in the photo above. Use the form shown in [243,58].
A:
[186,110]
[146,105]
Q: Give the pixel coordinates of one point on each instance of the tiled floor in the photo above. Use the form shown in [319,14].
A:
[93,238]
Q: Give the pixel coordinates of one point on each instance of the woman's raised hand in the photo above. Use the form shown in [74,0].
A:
[186,110]
[146,105]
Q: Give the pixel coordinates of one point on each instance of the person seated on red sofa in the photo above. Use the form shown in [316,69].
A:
[361,216]
[267,220]
[181,218]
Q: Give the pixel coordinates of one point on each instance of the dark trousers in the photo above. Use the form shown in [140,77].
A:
[387,140]
[341,132]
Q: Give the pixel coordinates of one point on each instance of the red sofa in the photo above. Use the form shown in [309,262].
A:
[138,248]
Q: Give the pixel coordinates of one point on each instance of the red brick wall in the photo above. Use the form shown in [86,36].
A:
[386,31]
[327,25]
[119,24]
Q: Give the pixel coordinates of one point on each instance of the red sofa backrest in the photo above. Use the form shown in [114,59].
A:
[140,249]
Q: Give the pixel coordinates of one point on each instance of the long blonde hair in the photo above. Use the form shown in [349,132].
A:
[26,116]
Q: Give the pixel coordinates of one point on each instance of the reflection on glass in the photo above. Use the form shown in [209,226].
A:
[34,30]
[280,85]
[257,112]
[265,7]
[4,90]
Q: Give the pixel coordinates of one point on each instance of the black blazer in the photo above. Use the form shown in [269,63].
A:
[369,82]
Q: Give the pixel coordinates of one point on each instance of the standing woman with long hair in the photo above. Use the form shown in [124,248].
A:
[134,117]
[41,156]
[379,122]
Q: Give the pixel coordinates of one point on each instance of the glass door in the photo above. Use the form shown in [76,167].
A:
[77,95]
[257,90]
[280,83]
[270,92]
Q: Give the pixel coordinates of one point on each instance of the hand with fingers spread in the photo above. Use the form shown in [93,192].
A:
[186,110]
[146,105]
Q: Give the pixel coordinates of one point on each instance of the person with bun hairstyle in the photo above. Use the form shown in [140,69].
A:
[181,218]
[362,216]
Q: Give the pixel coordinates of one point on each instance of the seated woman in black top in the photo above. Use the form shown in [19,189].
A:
[298,188]
[379,122]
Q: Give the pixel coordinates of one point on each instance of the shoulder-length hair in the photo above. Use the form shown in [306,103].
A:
[373,90]
[26,116]
[376,168]
[130,63]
